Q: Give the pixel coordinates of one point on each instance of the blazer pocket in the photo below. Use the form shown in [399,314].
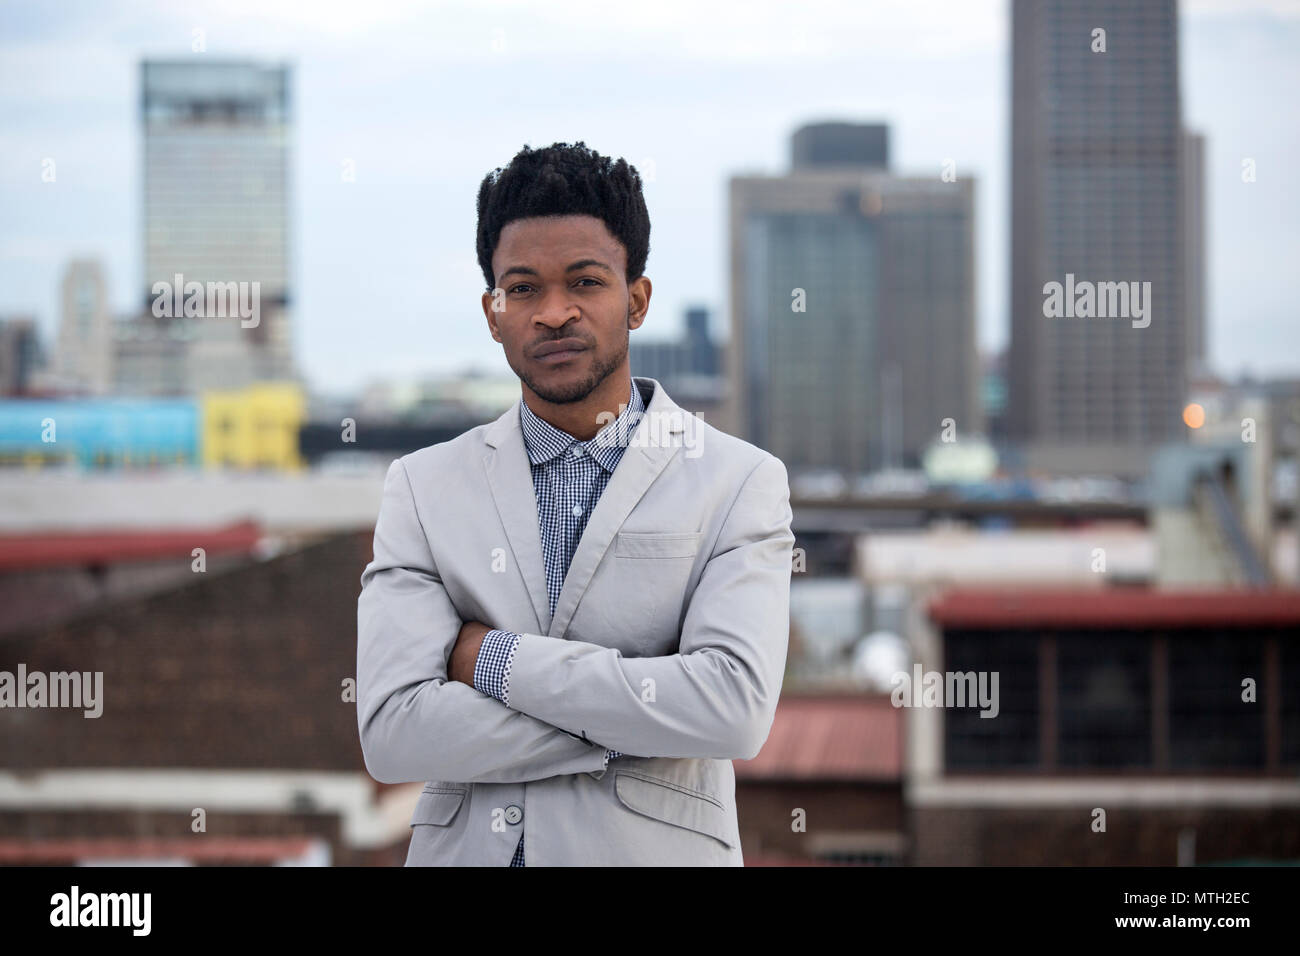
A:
[438,805]
[671,803]
[655,544]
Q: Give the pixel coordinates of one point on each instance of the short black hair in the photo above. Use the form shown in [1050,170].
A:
[564,180]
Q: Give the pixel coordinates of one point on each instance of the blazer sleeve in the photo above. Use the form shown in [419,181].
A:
[415,724]
[717,696]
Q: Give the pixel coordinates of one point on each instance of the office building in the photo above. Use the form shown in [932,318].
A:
[1105,203]
[853,317]
[216,212]
[1194,278]
[84,350]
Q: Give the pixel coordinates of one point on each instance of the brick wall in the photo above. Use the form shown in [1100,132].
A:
[765,813]
[236,669]
[1146,836]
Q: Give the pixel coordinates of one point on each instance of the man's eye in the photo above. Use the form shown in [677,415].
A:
[525,285]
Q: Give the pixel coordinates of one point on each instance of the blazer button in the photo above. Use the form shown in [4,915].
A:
[514,814]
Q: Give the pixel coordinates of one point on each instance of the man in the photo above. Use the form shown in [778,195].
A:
[577,615]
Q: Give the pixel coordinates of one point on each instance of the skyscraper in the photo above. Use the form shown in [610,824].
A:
[1098,205]
[84,349]
[216,210]
[1194,279]
[853,319]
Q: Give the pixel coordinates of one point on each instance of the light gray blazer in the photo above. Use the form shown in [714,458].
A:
[668,644]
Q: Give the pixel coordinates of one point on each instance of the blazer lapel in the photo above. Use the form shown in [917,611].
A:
[646,456]
[510,479]
[651,446]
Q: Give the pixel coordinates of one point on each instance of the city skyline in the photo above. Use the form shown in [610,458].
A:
[266,477]
[363,254]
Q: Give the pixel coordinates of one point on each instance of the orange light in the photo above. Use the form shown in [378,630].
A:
[1194,415]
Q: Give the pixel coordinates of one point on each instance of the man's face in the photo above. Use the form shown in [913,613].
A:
[564,286]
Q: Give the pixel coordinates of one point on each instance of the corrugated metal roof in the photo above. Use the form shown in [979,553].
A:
[832,737]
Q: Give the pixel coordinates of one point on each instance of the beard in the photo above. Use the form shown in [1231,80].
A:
[565,394]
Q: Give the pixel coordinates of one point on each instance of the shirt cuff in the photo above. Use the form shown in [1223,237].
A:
[610,755]
[492,666]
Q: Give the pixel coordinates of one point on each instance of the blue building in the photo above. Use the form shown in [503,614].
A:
[100,432]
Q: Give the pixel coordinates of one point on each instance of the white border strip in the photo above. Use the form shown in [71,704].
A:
[1076,791]
[366,821]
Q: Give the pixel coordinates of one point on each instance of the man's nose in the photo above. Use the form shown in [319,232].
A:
[556,309]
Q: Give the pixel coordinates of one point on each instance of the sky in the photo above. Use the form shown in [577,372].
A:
[426,99]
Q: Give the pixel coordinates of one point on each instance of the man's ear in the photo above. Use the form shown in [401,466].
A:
[490,316]
[641,290]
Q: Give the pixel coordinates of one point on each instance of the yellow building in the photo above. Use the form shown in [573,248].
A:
[253,427]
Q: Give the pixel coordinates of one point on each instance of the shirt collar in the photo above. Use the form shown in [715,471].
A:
[544,441]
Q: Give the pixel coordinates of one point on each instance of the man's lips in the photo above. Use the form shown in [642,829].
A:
[559,351]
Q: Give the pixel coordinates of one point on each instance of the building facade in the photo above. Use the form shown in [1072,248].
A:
[853,319]
[1126,731]
[84,351]
[1100,195]
[216,212]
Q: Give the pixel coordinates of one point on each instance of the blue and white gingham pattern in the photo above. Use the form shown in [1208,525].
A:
[569,477]
[495,655]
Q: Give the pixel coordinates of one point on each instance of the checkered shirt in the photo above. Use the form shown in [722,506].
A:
[569,476]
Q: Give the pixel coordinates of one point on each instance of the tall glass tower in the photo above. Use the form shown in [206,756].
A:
[216,209]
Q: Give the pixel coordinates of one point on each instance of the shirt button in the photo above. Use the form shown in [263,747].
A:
[577,510]
[513,814]
[577,451]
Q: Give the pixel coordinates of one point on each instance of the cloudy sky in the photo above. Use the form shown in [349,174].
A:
[426,100]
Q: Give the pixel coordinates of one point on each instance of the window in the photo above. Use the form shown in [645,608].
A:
[972,742]
[1104,688]
[1209,724]
[1289,681]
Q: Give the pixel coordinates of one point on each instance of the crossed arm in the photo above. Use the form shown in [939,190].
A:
[415,723]
[714,698]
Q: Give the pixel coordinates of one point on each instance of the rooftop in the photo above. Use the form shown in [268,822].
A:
[1115,608]
[832,737]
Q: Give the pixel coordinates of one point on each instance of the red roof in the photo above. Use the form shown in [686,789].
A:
[27,552]
[206,849]
[832,737]
[1114,608]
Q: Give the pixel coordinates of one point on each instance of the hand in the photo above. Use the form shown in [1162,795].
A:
[464,655]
